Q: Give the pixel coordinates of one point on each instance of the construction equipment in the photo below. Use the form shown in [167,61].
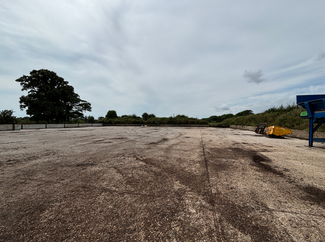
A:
[276,131]
[260,128]
[304,114]
[272,131]
[315,108]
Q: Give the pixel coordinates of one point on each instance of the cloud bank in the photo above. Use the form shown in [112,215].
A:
[165,58]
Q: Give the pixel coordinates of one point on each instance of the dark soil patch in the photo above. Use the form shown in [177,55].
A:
[314,195]
[241,217]
[260,162]
[159,141]
[222,159]
[244,219]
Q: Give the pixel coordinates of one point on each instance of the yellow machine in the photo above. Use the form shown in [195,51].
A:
[277,131]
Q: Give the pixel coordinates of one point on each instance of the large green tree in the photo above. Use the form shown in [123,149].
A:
[50,98]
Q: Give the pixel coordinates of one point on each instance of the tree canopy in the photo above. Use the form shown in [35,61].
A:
[244,113]
[6,117]
[145,116]
[111,114]
[50,98]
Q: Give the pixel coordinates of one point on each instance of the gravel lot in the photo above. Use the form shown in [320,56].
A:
[159,184]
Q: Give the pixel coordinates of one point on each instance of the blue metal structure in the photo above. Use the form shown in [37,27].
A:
[315,107]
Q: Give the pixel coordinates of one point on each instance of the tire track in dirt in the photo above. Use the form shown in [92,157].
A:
[210,194]
[239,216]
[312,193]
[157,178]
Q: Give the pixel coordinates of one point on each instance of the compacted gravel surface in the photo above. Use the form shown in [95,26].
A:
[159,184]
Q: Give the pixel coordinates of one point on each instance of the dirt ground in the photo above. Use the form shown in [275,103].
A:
[159,184]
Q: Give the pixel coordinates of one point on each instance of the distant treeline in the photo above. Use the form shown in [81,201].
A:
[149,119]
[218,119]
[6,117]
[288,117]
[283,116]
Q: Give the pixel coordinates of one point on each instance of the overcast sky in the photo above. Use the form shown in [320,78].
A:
[192,57]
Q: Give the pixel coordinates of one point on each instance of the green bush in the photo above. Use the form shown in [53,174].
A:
[288,117]
[6,117]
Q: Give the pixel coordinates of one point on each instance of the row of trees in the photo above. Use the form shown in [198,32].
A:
[51,99]
[6,117]
[112,118]
[111,114]
[288,116]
